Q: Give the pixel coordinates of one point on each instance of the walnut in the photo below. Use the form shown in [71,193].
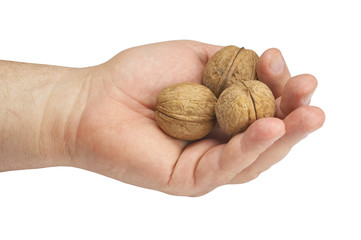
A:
[186,111]
[241,104]
[228,66]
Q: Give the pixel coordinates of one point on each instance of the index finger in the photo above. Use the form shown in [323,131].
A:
[273,71]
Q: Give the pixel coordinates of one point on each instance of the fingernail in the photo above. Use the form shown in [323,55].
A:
[277,64]
[307,99]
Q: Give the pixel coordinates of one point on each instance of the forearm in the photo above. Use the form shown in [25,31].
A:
[40,107]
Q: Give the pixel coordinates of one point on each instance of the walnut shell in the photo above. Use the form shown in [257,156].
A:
[229,66]
[241,104]
[186,111]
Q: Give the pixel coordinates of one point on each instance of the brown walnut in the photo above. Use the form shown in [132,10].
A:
[241,104]
[186,111]
[228,66]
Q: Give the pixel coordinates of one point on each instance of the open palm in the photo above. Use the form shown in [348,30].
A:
[118,136]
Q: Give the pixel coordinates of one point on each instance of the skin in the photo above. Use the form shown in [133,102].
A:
[101,119]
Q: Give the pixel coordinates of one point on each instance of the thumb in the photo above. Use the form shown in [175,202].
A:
[220,164]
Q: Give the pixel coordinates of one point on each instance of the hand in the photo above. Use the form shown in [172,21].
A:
[117,135]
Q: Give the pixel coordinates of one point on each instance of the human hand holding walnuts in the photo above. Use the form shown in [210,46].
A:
[119,137]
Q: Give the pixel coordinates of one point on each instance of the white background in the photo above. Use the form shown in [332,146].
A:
[314,193]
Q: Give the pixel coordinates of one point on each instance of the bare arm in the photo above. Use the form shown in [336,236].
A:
[39,106]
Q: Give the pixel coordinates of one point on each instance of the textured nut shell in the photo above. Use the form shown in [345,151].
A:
[218,67]
[263,99]
[234,110]
[241,104]
[186,111]
[244,68]
[228,66]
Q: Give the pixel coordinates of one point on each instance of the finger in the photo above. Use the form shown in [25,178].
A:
[221,163]
[299,124]
[181,179]
[297,92]
[273,71]
[279,113]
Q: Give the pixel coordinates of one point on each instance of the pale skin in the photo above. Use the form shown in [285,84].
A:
[101,119]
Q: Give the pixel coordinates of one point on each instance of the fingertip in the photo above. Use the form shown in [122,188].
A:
[266,60]
[319,117]
[272,70]
[301,84]
[309,87]
[298,92]
[305,119]
[264,132]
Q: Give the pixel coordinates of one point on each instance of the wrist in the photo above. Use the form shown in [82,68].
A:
[41,106]
[62,115]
